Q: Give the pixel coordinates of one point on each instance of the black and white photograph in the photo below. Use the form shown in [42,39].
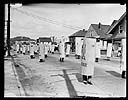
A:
[68,50]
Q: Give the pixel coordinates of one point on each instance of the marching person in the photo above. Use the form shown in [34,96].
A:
[97,49]
[62,51]
[32,51]
[68,50]
[123,65]
[17,47]
[109,51]
[88,59]
[79,47]
[35,49]
[52,48]
[24,48]
[41,52]
[28,48]
[21,48]
[46,50]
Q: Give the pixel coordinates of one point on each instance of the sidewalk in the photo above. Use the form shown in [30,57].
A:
[12,88]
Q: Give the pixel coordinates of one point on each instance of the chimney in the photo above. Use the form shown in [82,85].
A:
[99,26]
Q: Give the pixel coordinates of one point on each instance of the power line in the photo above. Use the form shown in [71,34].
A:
[47,20]
[57,21]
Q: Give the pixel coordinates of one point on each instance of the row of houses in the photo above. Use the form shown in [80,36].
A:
[113,33]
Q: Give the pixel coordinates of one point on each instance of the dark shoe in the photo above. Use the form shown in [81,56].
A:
[85,82]
[41,60]
[89,82]
[45,56]
[62,59]
[123,74]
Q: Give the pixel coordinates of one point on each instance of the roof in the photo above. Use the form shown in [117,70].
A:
[116,23]
[21,38]
[102,30]
[80,33]
[45,39]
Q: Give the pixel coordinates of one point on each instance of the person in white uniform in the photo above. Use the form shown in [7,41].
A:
[35,48]
[109,51]
[62,51]
[24,48]
[46,50]
[17,47]
[98,48]
[123,65]
[53,47]
[79,47]
[88,59]
[68,50]
[32,51]
[41,52]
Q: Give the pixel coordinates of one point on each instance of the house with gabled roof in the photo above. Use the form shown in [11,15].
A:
[99,31]
[75,37]
[117,32]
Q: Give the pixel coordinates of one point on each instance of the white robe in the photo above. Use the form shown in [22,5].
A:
[24,48]
[17,47]
[79,48]
[32,49]
[68,49]
[46,49]
[52,48]
[109,50]
[41,51]
[62,50]
[88,51]
[123,66]
[97,49]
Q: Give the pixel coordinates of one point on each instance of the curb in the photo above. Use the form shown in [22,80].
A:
[22,93]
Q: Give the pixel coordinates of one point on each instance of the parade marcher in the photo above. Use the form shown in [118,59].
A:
[109,51]
[35,49]
[79,48]
[17,47]
[21,48]
[31,51]
[52,48]
[46,50]
[67,50]
[97,49]
[62,51]
[123,65]
[28,48]
[24,48]
[41,52]
[88,59]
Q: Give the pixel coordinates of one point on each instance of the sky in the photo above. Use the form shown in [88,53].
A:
[45,20]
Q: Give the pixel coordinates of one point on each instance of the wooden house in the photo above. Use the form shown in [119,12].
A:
[74,38]
[117,32]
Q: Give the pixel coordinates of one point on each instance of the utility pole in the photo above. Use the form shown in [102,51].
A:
[8,30]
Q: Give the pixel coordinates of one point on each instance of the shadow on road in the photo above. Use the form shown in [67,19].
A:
[114,73]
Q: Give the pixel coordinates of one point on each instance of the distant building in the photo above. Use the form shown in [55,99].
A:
[44,39]
[21,39]
[76,36]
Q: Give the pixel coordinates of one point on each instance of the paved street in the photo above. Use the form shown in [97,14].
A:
[62,79]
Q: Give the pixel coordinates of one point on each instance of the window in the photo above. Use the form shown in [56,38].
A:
[120,29]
